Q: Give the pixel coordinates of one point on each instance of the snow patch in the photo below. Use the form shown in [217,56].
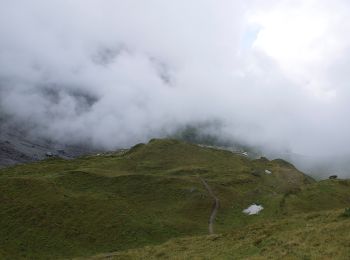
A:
[253,209]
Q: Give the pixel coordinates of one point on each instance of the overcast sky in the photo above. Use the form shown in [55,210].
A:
[113,72]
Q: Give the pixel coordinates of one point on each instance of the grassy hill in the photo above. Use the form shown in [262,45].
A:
[145,196]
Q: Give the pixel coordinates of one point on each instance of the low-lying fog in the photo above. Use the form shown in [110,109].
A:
[112,73]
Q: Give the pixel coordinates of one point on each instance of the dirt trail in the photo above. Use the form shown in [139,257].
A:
[216,205]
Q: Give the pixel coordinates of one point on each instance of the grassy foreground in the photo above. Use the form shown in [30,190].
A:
[152,193]
[321,235]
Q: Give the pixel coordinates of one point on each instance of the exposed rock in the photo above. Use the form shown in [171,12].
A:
[18,147]
[49,154]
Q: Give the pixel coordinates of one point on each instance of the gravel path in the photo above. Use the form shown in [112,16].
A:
[216,206]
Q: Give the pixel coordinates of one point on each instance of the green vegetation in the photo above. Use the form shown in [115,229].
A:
[321,235]
[150,194]
[346,213]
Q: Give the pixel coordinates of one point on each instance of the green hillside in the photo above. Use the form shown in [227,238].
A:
[145,196]
[321,235]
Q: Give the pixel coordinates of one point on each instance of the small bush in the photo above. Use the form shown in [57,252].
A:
[346,213]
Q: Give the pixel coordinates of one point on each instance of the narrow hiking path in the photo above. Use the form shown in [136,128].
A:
[216,206]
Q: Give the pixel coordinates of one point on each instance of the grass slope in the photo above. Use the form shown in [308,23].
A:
[321,235]
[144,196]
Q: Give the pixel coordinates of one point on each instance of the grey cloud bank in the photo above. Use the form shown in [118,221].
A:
[114,73]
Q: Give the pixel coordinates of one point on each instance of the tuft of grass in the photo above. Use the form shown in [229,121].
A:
[346,213]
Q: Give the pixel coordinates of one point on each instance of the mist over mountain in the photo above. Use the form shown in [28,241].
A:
[110,74]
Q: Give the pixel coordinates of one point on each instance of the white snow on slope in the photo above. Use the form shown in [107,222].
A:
[253,209]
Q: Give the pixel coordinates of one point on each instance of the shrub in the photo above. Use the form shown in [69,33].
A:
[346,213]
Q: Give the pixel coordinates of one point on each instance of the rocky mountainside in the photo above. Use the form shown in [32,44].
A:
[18,146]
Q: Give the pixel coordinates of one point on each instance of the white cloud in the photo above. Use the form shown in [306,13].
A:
[118,72]
[305,38]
